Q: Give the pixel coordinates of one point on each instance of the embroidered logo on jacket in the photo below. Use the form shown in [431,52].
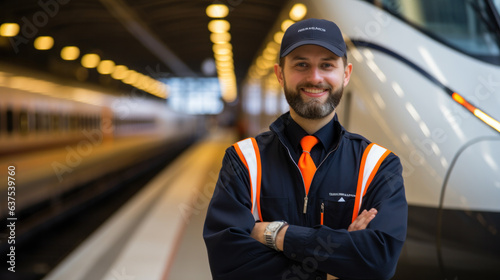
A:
[343,194]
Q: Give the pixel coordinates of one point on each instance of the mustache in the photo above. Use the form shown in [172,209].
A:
[320,86]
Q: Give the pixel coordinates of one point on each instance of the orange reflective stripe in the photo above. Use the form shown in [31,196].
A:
[240,154]
[249,154]
[242,158]
[373,156]
[259,175]
[357,201]
[374,171]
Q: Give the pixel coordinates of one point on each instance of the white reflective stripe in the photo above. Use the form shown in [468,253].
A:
[248,152]
[374,155]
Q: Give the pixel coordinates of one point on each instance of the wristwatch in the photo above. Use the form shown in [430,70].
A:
[272,231]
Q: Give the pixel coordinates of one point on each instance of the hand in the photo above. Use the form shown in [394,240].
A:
[363,220]
[360,223]
[258,232]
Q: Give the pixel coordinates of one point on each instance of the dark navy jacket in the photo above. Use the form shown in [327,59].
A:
[310,250]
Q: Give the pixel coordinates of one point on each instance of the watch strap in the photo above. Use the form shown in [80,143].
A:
[271,232]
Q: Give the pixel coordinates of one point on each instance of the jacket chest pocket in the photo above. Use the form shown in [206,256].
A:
[337,214]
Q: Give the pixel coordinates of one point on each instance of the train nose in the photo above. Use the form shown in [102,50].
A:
[470,216]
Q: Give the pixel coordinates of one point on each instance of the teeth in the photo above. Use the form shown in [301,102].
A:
[314,90]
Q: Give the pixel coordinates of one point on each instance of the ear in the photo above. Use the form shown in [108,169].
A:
[347,74]
[278,71]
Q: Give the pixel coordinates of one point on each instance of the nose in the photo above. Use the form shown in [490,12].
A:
[315,76]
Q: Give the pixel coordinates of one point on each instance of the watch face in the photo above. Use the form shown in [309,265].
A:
[274,226]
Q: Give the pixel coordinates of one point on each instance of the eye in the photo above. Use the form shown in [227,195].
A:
[327,65]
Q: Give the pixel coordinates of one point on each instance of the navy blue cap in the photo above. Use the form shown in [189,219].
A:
[313,31]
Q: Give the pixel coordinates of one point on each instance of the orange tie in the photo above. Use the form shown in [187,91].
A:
[306,163]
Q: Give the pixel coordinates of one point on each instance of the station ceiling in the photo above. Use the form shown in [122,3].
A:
[159,38]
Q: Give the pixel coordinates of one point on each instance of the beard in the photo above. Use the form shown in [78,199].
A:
[313,109]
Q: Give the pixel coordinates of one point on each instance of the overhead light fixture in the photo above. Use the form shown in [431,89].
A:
[223,57]
[44,43]
[278,36]
[132,77]
[217,11]
[223,49]
[106,67]
[9,29]
[285,24]
[298,12]
[269,55]
[220,38]
[70,53]
[120,72]
[90,60]
[219,26]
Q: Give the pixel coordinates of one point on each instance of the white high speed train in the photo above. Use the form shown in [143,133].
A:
[425,84]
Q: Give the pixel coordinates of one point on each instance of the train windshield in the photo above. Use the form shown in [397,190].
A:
[471,26]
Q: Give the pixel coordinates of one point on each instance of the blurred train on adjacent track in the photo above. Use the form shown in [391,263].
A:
[58,135]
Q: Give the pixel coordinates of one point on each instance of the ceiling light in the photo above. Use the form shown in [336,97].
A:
[70,53]
[223,57]
[269,56]
[120,72]
[44,43]
[219,26]
[217,11]
[106,67]
[90,60]
[278,36]
[286,23]
[298,12]
[222,48]
[226,64]
[132,77]
[220,38]
[9,29]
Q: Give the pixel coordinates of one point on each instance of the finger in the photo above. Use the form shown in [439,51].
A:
[370,215]
[363,220]
[358,223]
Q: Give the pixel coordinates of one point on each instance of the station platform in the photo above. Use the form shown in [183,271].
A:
[158,233]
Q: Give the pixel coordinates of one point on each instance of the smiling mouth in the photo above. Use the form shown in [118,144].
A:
[314,92]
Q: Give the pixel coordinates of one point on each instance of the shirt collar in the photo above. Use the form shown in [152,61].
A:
[326,134]
[294,132]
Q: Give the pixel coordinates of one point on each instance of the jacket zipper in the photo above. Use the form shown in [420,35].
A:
[322,212]
[303,183]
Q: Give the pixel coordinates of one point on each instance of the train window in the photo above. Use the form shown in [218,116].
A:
[55,122]
[45,122]
[1,120]
[89,122]
[469,26]
[38,122]
[81,122]
[23,122]
[64,122]
[97,123]
[10,120]
[73,122]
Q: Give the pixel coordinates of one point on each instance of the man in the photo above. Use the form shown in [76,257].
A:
[308,225]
